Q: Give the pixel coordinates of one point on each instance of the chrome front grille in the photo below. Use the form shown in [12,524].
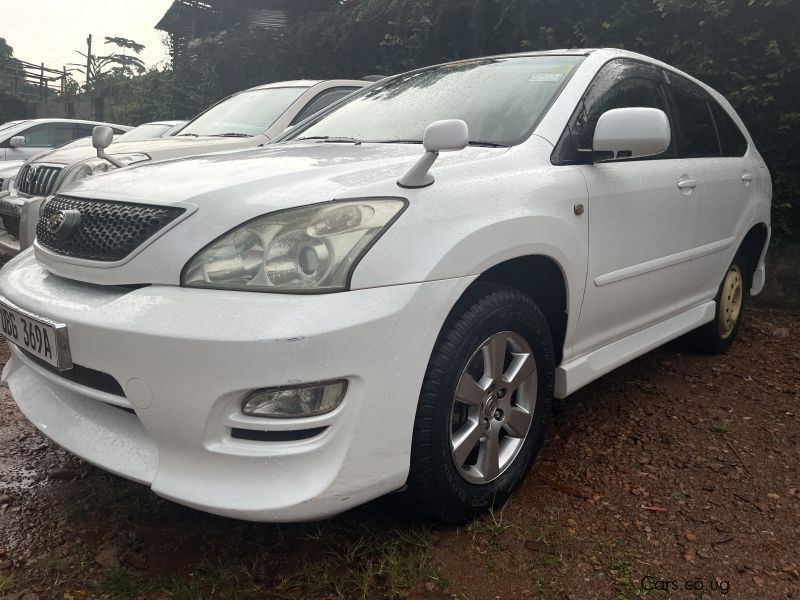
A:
[35,180]
[99,230]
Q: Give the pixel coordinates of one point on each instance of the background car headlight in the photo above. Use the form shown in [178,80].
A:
[307,249]
[95,166]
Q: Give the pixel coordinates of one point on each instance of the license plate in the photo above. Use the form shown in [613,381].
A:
[43,338]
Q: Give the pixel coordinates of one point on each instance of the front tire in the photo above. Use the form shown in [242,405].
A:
[717,336]
[485,403]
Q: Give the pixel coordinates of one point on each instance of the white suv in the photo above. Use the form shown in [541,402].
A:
[247,119]
[291,331]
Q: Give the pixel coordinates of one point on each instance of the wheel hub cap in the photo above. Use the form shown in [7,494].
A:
[489,407]
[492,410]
[730,303]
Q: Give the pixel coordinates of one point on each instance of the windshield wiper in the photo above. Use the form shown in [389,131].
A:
[475,143]
[399,142]
[232,135]
[331,140]
[188,135]
[488,144]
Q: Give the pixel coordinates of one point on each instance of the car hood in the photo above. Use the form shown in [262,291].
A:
[157,149]
[232,176]
[10,168]
[221,191]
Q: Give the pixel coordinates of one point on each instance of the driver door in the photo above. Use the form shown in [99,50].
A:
[641,218]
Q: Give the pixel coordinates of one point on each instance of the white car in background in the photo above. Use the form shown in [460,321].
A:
[20,140]
[291,331]
[248,119]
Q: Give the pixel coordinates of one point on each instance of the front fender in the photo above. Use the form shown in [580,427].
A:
[456,235]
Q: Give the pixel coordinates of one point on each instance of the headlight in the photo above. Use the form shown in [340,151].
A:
[308,249]
[96,166]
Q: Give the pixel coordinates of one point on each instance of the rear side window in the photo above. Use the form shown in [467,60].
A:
[731,138]
[83,131]
[695,124]
[619,84]
[322,100]
[48,135]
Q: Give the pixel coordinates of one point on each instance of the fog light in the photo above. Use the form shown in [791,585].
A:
[296,401]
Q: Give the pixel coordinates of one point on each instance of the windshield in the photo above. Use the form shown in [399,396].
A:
[501,99]
[10,124]
[245,114]
[144,132]
[12,128]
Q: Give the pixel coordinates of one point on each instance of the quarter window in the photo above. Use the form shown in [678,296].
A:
[730,136]
[696,125]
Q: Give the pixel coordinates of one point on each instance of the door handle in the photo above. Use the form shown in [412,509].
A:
[747,178]
[687,184]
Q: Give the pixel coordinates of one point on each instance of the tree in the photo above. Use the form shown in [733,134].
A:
[6,51]
[116,64]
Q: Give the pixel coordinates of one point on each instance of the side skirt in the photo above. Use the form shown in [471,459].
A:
[579,371]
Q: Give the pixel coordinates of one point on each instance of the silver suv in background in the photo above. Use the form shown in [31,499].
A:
[245,120]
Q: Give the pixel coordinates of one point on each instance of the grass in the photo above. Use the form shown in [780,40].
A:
[206,581]
[376,564]
[720,428]
[6,584]
[108,493]
[623,560]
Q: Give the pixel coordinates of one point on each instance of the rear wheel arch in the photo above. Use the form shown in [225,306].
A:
[752,248]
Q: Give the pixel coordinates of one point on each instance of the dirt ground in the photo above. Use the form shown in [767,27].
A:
[676,475]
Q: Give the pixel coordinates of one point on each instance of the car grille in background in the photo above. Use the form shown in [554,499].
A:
[41,183]
[107,231]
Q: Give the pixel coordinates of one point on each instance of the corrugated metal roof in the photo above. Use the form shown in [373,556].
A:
[265,18]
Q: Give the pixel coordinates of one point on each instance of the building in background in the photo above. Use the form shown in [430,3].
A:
[190,23]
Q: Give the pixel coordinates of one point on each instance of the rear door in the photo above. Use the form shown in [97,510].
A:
[640,218]
[726,176]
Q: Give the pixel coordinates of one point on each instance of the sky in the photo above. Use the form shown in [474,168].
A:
[50,31]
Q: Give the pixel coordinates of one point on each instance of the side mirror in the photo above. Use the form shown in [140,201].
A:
[446,136]
[450,135]
[632,132]
[102,137]
[18,141]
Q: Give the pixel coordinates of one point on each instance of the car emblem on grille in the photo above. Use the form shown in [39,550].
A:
[63,223]
[30,176]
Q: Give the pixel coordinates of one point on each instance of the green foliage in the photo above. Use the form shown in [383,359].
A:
[12,108]
[6,51]
[746,49]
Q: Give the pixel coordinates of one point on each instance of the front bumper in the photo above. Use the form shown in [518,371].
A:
[29,208]
[185,359]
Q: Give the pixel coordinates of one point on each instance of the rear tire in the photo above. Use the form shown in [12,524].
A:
[481,418]
[717,336]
